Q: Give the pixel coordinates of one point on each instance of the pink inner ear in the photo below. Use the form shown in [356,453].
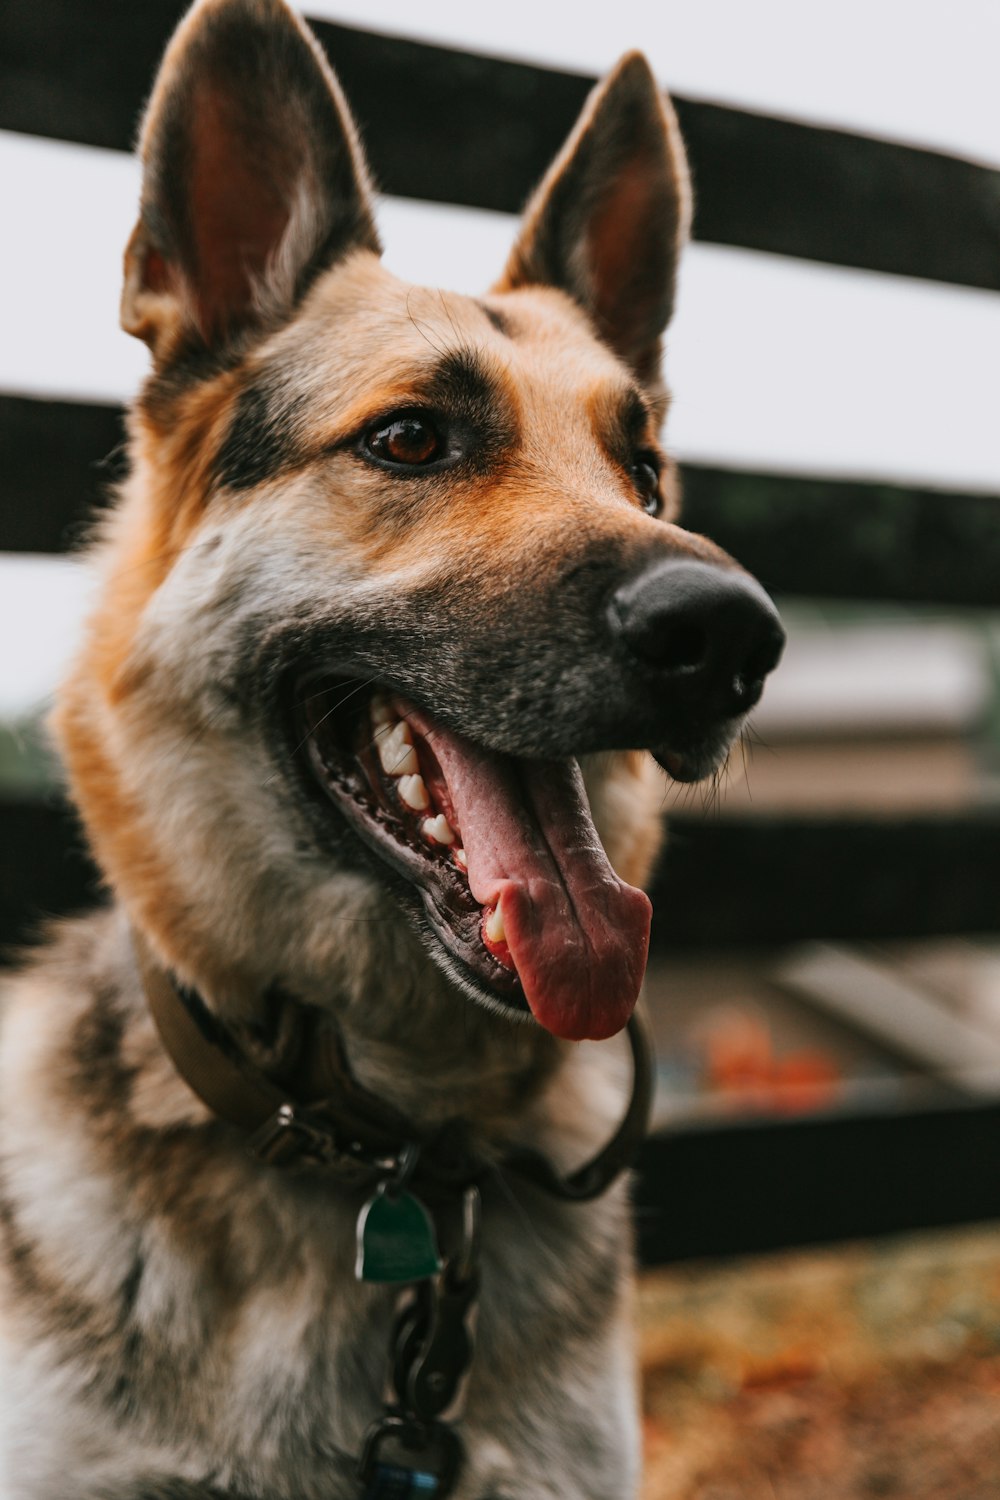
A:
[627,256]
[238,210]
[155,272]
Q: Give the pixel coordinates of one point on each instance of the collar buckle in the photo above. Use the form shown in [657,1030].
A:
[297,1137]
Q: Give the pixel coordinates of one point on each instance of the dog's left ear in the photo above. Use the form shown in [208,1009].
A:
[610,218]
[253,180]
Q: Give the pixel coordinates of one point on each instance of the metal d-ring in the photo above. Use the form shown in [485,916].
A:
[405,1166]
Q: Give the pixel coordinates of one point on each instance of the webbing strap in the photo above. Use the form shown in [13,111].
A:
[208,1058]
[203,1053]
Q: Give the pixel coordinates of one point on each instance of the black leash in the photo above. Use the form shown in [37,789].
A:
[410,1450]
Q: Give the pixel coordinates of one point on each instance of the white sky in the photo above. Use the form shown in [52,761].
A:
[774,362]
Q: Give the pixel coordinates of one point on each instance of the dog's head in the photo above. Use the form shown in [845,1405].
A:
[391,560]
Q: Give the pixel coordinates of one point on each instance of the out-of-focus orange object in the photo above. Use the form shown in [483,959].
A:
[739,1056]
[804,1080]
[740,1063]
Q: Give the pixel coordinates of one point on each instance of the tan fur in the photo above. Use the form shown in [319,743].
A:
[181,1320]
[558,377]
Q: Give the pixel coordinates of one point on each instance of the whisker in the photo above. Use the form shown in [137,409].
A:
[330,711]
[423,334]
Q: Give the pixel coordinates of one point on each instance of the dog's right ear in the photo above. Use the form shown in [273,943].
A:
[253,180]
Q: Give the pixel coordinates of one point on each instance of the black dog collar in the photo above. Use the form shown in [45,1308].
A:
[322,1118]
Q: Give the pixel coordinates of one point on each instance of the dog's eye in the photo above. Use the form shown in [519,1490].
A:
[646,478]
[409,441]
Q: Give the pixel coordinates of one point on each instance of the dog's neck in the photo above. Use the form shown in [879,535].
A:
[305,1104]
[410,1036]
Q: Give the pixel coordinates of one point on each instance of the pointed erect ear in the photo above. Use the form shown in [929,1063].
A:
[608,222]
[253,180]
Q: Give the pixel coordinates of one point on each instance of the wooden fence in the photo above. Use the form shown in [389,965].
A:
[79,73]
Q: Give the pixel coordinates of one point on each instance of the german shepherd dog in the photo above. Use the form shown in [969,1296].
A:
[394,607]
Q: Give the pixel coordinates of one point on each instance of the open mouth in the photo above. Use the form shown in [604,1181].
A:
[513,881]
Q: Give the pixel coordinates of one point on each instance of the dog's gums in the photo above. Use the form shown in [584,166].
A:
[512,876]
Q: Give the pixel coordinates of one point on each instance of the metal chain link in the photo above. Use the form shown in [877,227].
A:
[410,1451]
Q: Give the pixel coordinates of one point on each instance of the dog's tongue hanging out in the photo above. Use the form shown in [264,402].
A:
[578,936]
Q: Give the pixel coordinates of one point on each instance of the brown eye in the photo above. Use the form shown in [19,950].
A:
[407,441]
[646,478]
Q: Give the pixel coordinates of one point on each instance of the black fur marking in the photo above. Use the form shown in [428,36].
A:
[631,422]
[465,388]
[62,1314]
[192,365]
[96,1072]
[500,322]
[260,442]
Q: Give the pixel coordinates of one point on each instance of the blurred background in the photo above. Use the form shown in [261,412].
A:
[825,983]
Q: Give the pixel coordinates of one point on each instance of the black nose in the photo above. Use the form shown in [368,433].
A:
[712,629]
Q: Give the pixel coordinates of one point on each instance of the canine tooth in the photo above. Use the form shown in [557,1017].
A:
[413,792]
[380,711]
[438,829]
[396,752]
[460,859]
[494,927]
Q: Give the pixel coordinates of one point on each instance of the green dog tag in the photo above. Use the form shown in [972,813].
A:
[396,1240]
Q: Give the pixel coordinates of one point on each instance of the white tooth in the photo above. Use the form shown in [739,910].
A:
[380,710]
[438,829]
[396,752]
[413,792]
[494,927]
[404,762]
[460,859]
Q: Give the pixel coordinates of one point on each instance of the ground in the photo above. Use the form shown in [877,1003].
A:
[849,1374]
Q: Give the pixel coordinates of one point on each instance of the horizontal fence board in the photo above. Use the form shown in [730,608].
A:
[851,539]
[455,127]
[804,536]
[58,462]
[780,879]
[754,1186]
[45,870]
[742,883]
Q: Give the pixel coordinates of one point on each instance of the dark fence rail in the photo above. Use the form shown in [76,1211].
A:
[815,537]
[851,539]
[455,127]
[487,129]
[45,870]
[744,1187]
[779,879]
[735,883]
[59,460]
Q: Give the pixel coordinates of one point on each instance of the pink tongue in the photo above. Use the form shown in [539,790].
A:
[577,934]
